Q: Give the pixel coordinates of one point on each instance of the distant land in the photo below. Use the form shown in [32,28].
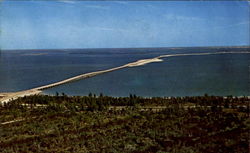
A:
[129,48]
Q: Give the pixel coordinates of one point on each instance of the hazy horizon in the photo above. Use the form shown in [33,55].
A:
[243,46]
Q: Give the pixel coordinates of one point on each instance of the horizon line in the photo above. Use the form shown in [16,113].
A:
[239,46]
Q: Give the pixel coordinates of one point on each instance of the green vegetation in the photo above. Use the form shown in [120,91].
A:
[42,123]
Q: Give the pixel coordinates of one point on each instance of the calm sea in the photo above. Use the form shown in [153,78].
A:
[225,74]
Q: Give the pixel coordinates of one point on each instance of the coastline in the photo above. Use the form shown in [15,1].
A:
[7,97]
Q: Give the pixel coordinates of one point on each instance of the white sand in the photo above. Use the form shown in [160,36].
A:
[144,61]
[14,95]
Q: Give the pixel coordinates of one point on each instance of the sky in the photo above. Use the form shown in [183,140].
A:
[123,24]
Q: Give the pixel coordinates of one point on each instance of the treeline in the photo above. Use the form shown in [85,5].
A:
[100,102]
[61,123]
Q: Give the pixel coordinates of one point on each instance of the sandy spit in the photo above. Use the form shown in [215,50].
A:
[7,97]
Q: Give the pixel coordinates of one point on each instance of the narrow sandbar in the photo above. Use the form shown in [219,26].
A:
[7,97]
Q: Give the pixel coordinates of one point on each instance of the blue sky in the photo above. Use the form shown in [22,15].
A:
[122,24]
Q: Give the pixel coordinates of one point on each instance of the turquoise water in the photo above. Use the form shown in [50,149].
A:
[226,74]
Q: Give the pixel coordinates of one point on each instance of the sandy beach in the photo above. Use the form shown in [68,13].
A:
[7,97]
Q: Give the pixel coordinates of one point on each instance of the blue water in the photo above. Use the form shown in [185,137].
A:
[226,74]
[21,70]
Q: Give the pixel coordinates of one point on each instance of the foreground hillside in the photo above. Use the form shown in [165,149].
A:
[106,124]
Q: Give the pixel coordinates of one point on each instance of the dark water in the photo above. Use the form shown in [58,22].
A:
[226,74]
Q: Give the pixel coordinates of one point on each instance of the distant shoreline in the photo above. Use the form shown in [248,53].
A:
[6,97]
[125,48]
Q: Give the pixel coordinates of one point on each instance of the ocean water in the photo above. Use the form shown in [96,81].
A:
[24,69]
[225,74]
